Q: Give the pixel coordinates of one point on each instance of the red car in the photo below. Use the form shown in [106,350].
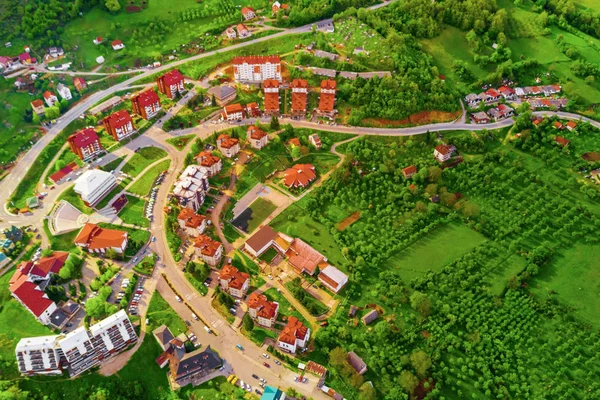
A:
[266,365]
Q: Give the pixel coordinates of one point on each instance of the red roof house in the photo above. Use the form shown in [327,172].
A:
[171,83]
[300,175]
[85,143]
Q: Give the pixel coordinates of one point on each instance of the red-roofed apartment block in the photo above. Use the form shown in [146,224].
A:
[255,69]
[271,89]
[262,310]
[146,104]
[193,224]
[209,161]
[228,146]
[85,143]
[257,137]
[209,250]
[327,97]
[171,83]
[119,125]
[233,281]
[299,96]
[232,112]
[99,240]
[295,335]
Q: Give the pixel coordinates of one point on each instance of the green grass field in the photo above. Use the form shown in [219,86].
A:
[143,184]
[142,159]
[434,251]
[505,269]
[261,209]
[133,212]
[62,242]
[161,313]
[575,277]
[73,198]
[285,308]
[181,141]
[113,164]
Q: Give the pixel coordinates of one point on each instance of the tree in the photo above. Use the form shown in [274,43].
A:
[296,152]
[421,362]
[248,322]
[367,391]
[470,210]
[434,173]
[420,302]
[408,381]
[338,356]
[52,112]
[274,123]
[113,5]
[213,101]
[47,252]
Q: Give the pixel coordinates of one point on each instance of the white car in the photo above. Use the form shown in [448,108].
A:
[265,355]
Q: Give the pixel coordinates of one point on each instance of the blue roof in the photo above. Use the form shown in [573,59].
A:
[271,393]
[2,256]
[6,243]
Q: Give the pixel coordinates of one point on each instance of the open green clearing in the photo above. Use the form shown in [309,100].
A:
[143,184]
[142,159]
[434,251]
[261,209]
[161,313]
[181,141]
[133,212]
[75,200]
[113,164]
[286,310]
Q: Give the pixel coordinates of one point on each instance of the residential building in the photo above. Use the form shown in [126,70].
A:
[191,223]
[302,257]
[64,91]
[171,83]
[234,282]
[562,141]
[327,97]
[212,163]
[248,13]
[507,93]
[80,84]
[6,245]
[571,125]
[42,269]
[357,363]
[257,137]
[56,52]
[273,393]
[85,143]
[258,243]
[330,73]
[39,356]
[294,336]
[551,89]
[276,7]
[26,59]
[119,125]
[97,40]
[443,152]
[262,310]
[370,317]
[38,106]
[472,100]
[94,185]
[232,112]
[100,240]
[5,62]
[228,146]
[490,96]
[299,96]
[408,172]
[325,54]
[506,111]
[146,104]
[480,118]
[333,278]
[32,297]
[163,336]
[230,33]
[256,69]
[209,250]
[300,175]
[558,125]
[243,31]
[191,187]
[271,91]
[493,113]
[50,98]
[315,140]
[348,75]
[117,45]
[4,260]
[223,94]
[253,110]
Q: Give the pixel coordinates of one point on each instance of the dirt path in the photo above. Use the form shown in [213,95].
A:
[215,216]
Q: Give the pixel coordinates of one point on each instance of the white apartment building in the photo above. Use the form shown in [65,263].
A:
[64,91]
[255,69]
[191,187]
[93,185]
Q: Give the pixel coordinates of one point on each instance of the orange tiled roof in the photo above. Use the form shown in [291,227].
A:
[195,221]
[303,257]
[208,246]
[99,238]
[292,331]
[207,159]
[299,175]
[226,141]
[264,308]
[233,276]
[256,133]
[185,214]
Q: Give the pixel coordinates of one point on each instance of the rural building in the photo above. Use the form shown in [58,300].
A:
[234,282]
[100,240]
[490,96]
[359,51]
[50,98]
[248,13]
[257,137]
[262,310]
[571,125]
[348,75]
[209,250]
[171,83]
[38,106]
[243,31]
[443,152]
[230,33]
[370,317]
[228,146]
[191,223]
[315,140]
[357,363]
[191,187]
[223,94]
[333,278]
[26,59]
[330,73]
[64,91]
[277,6]
[325,54]
[551,89]
[562,141]
[506,111]
[252,110]
[271,91]
[480,118]
[294,336]
[94,185]
[258,243]
[117,45]
[558,125]
[146,104]
[493,113]
[85,143]
[299,96]
[327,97]
[212,163]
[232,112]
[408,172]
[300,255]
[119,125]
[256,69]
[472,100]
[300,175]
[97,40]
[107,105]
[80,84]
[507,93]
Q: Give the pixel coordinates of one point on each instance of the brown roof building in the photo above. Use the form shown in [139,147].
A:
[146,104]
[209,161]
[294,336]
[327,97]
[257,137]
[304,258]
[300,175]
[271,90]
[85,143]
[119,125]
[260,241]
[233,281]
[209,250]
[408,172]
[357,363]
[262,310]
[562,141]
[171,83]
[100,240]
[299,96]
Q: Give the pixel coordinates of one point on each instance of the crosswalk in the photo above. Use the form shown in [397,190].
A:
[217,323]
[191,296]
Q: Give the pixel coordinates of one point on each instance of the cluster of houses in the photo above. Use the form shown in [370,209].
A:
[11,64]
[77,351]
[496,114]
[240,31]
[248,12]
[11,236]
[51,99]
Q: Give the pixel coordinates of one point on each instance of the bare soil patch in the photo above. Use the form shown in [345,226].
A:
[348,221]
[420,118]
[591,156]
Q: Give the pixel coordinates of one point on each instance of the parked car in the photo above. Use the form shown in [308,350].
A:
[266,365]
[255,376]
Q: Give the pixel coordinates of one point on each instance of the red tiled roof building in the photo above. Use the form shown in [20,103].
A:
[271,90]
[295,335]
[327,97]
[262,310]
[209,250]
[300,175]
[119,125]
[85,143]
[171,83]
[255,69]
[99,240]
[146,104]
[233,281]
[299,96]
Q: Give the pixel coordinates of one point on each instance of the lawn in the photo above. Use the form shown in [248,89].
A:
[217,388]
[574,276]
[161,313]
[61,242]
[268,255]
[133,212]
[181,141]
[146,266]
[73,198]
[231,234]
[314,306]
[113,164]
[253,216]
[142,159]
[506,267]
[143,184]
[285,308]
[434,251]
[258,334]
[196,282]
